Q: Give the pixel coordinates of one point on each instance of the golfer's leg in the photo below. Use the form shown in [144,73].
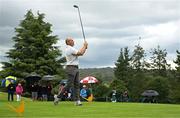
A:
[70,77]
[76,86]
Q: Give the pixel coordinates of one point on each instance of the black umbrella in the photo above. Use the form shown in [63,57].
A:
[63,81]
[150,93]
[48,78]
[31,79]
[33,76]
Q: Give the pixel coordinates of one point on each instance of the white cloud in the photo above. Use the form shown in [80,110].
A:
[109,25]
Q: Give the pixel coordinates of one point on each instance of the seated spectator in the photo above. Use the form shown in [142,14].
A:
[85,93]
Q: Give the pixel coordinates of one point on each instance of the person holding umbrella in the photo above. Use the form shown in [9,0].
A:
[72,71]
[11,90]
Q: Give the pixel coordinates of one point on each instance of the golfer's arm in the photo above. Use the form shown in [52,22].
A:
[81,51]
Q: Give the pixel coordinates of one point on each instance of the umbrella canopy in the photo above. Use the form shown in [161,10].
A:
[48,78]
[89,79]
[9,79]
[33,76]
[150,93]
[63,81]
[31,79]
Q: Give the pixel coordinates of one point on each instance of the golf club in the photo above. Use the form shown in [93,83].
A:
[75,6]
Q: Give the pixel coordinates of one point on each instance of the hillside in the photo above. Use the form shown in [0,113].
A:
[106,74]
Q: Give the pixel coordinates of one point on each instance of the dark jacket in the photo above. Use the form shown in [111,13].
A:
[11,88]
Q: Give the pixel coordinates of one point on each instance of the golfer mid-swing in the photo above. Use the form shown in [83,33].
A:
[72,68]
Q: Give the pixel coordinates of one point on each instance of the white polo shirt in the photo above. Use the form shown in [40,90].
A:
[70,58]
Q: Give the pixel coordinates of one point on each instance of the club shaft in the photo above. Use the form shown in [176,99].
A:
[81,24]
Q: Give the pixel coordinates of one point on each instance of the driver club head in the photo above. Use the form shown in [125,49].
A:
[75,6]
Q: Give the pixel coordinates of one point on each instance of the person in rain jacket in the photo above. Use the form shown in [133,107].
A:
[11,90]
[19,91]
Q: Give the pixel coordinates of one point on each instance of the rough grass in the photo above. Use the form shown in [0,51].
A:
[89,110]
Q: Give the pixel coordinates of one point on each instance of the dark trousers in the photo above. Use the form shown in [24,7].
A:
[10,95]
[73,82]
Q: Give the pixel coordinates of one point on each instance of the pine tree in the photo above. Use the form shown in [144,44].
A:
[159,62]
[34,49]
[138,58]
[177,62]
[175,84]
[122,69]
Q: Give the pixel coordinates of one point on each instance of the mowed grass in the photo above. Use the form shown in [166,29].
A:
[89,110]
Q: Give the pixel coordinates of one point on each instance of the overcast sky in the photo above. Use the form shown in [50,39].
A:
[109,25]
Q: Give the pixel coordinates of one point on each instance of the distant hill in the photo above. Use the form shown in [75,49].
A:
[106,74]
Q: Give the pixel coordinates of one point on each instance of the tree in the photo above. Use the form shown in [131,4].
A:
[34,49]
[159,62]
[175,84]
[122,69]
[138,58]
[137,81]
[177,62]
[161,85]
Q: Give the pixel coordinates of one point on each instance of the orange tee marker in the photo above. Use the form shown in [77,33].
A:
[19,110]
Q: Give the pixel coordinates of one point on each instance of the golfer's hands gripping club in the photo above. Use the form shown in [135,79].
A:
[85,44]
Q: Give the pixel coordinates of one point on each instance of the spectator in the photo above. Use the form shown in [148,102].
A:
[11,90]
[125,96]
[114,99]
[49,88]
[39,92]
[44,93]
[34,91]
[19,91]
[60,94]
[85,93]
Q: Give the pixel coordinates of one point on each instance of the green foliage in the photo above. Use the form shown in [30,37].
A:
[34,49]
[138,58]
[160,84]
[137,84]
[122,69]
[105,74]
[100,91]
[177,62]
[175,82]
[174,94]
[159,62]
[118,85]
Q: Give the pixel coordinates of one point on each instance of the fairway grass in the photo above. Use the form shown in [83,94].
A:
[89,110]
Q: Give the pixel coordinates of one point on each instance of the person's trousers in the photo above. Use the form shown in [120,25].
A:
[73,83]
[18,97]
[10,95]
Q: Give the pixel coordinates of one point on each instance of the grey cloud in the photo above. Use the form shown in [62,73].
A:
[109,24]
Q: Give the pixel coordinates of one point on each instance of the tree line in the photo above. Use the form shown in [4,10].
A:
[138,75]
[35,50]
